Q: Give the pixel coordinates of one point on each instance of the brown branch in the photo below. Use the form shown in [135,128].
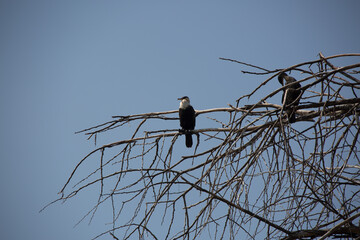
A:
[279,179]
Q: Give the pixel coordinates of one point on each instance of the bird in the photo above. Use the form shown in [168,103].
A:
[291,95]
[187,119]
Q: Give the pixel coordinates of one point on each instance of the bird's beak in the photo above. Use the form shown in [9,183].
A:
[179,99]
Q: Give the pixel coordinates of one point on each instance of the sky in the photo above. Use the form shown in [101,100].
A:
[68,65]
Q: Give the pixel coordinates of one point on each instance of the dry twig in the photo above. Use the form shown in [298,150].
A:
[256,176]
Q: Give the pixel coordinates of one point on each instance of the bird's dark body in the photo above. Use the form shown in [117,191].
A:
[292,94]
[187,118]
[187,122]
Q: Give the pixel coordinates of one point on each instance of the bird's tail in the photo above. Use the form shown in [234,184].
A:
[188,140]
[291,116]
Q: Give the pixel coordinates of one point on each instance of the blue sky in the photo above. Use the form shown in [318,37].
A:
[67,65]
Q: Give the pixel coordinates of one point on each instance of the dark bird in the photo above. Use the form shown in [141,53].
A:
[187,119]
[291,95]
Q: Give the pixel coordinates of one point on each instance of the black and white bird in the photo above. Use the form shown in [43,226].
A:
[187,119]
[291,95]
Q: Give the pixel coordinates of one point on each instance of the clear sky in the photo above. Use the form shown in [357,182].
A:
[67,65]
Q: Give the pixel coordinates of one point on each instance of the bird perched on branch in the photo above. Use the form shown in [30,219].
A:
[187,119]
[291,95]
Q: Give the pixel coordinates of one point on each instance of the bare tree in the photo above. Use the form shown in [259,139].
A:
[252,176]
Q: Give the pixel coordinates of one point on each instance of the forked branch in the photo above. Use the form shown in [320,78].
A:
[252,174]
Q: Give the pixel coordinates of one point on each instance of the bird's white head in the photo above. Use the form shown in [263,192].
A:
[185,102]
